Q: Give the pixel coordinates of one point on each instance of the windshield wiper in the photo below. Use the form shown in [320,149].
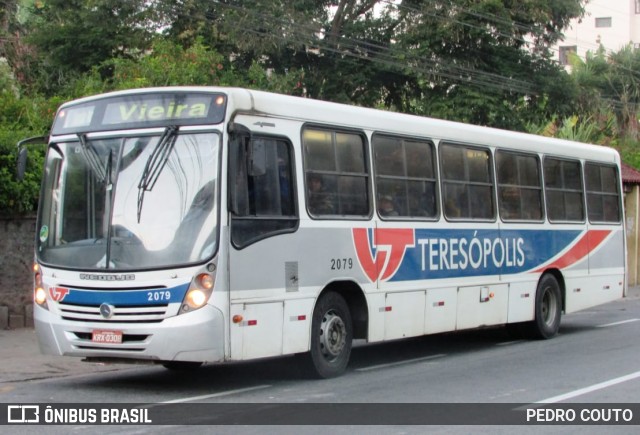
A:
[156,163]
[92,157]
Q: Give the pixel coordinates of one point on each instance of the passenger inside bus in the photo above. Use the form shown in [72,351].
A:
[319,199]
[386,207]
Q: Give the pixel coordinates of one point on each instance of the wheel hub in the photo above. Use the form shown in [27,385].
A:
[548,308]
[333,334]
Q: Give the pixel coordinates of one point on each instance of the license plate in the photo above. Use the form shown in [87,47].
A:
[110,337]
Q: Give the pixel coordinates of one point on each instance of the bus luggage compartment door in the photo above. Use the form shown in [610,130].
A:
[258,333]
[482,306]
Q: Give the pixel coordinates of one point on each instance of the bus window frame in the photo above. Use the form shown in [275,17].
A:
[250,136]
[540,186]
[367,167]
[442,180]
[436,177]
[582,185]
[618,194]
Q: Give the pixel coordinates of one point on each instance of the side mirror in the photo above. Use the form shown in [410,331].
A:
[21,164]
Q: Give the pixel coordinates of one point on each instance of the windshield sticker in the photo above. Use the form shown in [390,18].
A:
[44,233]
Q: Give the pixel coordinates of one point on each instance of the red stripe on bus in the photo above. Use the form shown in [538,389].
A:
[589,241]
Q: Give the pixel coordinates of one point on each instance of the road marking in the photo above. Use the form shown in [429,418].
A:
[409,361]
[591,388]
[211,396]
[618,323]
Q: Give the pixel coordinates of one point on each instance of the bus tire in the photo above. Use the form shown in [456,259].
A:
[548,308]
[181,366]
[331,337]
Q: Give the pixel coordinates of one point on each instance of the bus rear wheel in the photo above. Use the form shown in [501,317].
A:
[331,337]
[548,309]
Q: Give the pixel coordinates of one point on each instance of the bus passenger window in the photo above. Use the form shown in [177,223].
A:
[337,177]
[405,172]
[467,184]
[319,199]
[264,202]
[563,188]
[603,198]
[519,186]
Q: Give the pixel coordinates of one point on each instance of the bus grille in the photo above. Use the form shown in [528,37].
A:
[121,314]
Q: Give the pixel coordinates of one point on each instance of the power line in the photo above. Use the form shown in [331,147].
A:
[382,54]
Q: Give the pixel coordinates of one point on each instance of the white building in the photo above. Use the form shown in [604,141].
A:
[612,23]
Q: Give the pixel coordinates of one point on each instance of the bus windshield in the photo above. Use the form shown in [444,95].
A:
[130,203]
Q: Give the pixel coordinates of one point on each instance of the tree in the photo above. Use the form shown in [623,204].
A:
[20,118]
[73,36]
[13,48]
[609,82]
[486,62]
[170,64]
[624,85]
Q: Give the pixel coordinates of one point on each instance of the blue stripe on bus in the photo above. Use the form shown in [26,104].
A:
[154,296]
[463,253]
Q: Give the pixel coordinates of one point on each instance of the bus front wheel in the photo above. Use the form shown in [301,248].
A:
[548,308]
[331,336]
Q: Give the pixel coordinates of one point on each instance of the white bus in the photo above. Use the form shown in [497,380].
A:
[185,225]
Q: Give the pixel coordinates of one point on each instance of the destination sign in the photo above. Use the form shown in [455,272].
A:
[141,111]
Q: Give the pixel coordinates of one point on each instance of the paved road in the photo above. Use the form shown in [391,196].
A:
[595,359]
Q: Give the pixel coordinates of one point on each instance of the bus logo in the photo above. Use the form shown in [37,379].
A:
[106,310]
[380,251]
[58,293]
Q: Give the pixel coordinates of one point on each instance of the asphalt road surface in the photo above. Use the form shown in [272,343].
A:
[595,359]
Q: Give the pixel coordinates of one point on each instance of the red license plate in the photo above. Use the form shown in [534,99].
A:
[109,337]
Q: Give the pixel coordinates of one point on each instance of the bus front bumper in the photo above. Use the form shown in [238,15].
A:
[196,336]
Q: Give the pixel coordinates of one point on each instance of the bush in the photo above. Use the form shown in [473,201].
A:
[20,118]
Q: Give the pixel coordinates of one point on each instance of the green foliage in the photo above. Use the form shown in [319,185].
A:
[20,118]
[17,197]
[579,130]
[170,64]
[610,83]
[73,36]
[629,152]
[483,62]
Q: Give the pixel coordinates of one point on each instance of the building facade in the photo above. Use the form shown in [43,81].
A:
[610,23]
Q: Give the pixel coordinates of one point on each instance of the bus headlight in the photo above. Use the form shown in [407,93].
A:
[39,294]
[196,298]
[198,294]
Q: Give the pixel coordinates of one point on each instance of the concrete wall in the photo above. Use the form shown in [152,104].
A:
[632,220]
[16,277]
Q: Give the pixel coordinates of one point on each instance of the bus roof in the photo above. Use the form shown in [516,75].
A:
[354,117]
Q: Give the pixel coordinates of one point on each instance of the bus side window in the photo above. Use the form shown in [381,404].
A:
[405,177]
[563,188]
[519,186]
[603,197]
[262,204]
[467,183]
[337,176]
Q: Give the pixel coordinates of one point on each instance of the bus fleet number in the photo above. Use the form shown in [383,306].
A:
[159,296]
[341,263]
